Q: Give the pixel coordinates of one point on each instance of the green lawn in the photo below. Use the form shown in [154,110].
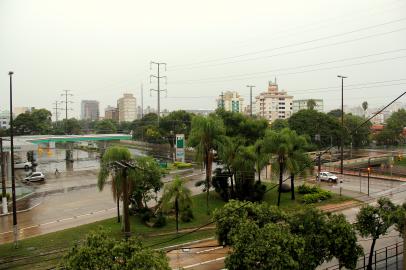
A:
[35,246]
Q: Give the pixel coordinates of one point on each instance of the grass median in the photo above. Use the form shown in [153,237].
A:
[44,251]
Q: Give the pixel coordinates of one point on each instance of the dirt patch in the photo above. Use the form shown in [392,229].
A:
[338,206]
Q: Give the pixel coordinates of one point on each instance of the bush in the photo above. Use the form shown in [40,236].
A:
[160,221]
[259,192]
[145,214]
[182,165]
[316,197]
[187,215]
[307,189]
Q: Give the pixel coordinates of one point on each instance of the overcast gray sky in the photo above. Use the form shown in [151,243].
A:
[100,49]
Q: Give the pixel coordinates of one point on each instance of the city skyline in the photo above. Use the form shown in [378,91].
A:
[252,51]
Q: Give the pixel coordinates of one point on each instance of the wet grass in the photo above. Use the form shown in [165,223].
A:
[36,249]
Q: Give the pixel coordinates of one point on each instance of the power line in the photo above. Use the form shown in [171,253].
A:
[239,76]
[158,78]
[295,44]
[276,185]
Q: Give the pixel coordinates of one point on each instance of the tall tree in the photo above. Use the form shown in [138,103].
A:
[374,221]
[280,145]
[312,122]
[105,126]
[146,181]
[300,162]
[311,104]
[33,123]
[176,196]
[120,184]
[365,108]
[205,137]
[392,132]
[261,157]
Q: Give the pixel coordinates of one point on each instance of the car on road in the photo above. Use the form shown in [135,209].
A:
[327,176]
[22,165]
[35,176]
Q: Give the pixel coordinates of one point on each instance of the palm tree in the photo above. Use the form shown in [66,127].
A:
[365,107]
[227,153]
[311,104]
[300,162]
[205,136]
[261,157]
[280,145]
[120,183]
[176,196]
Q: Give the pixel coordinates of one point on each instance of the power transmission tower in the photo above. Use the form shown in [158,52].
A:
[251,86]
[158,78]
[66,101]
[56,110]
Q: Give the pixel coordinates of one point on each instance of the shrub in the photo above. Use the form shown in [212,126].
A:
[145,214]
[307,189]
[316,197]
[182,165]
[187,215]
[160,220]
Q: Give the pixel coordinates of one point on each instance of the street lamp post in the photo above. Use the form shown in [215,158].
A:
[3,179]
[342,122]
[13,182]
[369,170]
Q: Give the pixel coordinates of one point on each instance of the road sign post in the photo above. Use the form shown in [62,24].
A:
[180,147]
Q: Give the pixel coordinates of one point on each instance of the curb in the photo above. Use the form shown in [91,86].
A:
[169,248]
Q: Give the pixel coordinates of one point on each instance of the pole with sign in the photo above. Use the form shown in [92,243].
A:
[180,147]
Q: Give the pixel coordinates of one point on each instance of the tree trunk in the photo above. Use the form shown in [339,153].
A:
[232,184]
[280,182]
[371,254]
[292,185]
[177,214]
[208,178]
[126,214]
[259,174]
[118,209]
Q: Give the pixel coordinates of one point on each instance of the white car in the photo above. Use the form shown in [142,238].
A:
[327,176]
[35,176]
[22,165]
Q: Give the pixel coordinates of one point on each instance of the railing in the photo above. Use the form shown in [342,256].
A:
[388,258]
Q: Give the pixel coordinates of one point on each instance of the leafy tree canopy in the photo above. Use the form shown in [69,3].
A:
[33,123]
[99,251]
[312,122]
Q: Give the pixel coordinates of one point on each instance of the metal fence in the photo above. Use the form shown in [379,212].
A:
[388,258]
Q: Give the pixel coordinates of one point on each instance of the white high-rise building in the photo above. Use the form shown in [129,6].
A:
[273,104]
[127,108]
[231,101]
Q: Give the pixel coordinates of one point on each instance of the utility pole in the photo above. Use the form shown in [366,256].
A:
[66,101]
[251,86]
[342,123]
[3,179]
[56,111]
[158,78]
[13,180]
[142,101]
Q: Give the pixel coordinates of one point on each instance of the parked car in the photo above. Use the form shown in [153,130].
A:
[327,176]
[35,176]
[22,165]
